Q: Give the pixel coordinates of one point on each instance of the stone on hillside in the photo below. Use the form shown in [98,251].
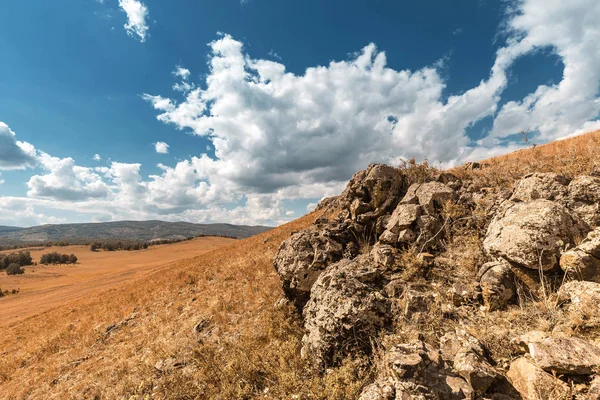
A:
[583,296]
[547,186]
[533,383]
[303,257]
[403,217]
[565,355]
[379,188]
[384,255]
[594,390]
[583,262]
[468,357]
[584,198]
[497,283]
[347,306]
[531,234]
[432,196]
[416,369]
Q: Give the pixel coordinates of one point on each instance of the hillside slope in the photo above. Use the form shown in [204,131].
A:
[132,230]
[216,327]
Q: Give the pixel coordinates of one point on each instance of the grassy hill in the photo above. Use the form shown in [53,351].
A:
[207,328]
[131,230]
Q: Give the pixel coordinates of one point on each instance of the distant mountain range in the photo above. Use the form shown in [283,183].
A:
[131,230]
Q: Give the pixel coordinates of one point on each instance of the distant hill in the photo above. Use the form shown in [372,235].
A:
[6,229]
[131,230]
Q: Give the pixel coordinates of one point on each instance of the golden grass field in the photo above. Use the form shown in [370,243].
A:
[136,339]
[44,287]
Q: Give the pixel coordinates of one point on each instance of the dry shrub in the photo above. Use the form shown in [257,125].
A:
[417,172]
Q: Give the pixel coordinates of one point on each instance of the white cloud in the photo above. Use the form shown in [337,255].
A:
[278,136]
[13,153]
[137,13]
[97,157]
[569,29]
[161,147]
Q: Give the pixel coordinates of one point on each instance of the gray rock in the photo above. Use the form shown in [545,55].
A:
[547,186]
[531,234]
[583,262]
[403,217]
[584,198]
[303,257]
[497,283]
[433,195]
[347,307]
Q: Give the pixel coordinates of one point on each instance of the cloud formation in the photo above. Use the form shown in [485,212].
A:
[279,137]
[13,153]
[137,13]
[161,148]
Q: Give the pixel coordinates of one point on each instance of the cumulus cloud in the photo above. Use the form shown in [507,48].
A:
[13,153]
[97,157]
[161,147]
[570,29]
[279,136]
[137,13]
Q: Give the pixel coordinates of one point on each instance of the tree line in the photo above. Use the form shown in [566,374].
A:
[57,258]
[13,263]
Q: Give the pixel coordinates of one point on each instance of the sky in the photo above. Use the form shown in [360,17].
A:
[250,112]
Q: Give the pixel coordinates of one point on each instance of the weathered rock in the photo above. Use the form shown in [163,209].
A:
[533,383]
[428,232]
[417,369]
[384,255]
[594,389]
[303,257]
[497,284]
[531,234]
[347,307]
[417,302]
[475,369]
[547,186]
[403,217]
[584,198]
[565,355]
[379,186]
[583,262]
[583,296]
[468,357]
[433,195]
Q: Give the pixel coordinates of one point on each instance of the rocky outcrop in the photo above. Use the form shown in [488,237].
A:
[376,268]
[347,307]
[531,234]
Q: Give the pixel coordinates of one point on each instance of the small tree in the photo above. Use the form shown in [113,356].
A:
[72,259]
[14,269]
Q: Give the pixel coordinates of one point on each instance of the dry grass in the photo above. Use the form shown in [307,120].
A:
[570,157]
[137,341]
[248,349]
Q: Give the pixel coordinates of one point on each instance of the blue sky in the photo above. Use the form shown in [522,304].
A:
[278,103]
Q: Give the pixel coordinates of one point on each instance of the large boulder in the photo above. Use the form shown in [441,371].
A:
[531,234]
[497,283]
[584,198]
[547,186]
[303,257]
[533,383]
[347,307]
[583,261]
[431,196]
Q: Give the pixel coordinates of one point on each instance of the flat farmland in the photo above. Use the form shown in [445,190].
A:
[44,287]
